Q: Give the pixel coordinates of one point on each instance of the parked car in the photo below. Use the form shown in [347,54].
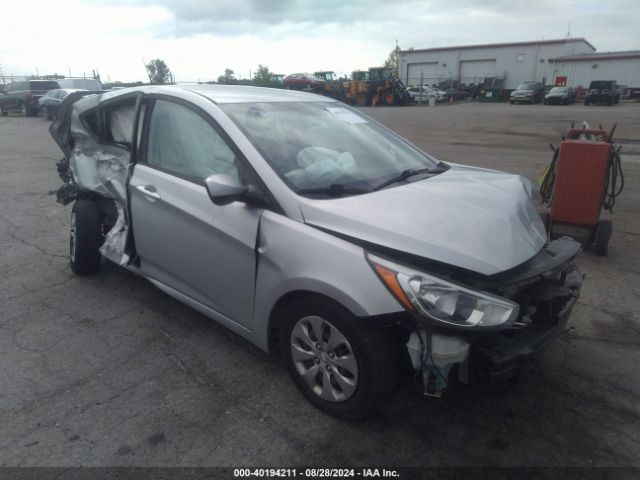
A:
[305,226]
[425,92]
[560,96]
[528,92]
[304,80]
[23,96]
[457,94]
[602,91]
[48,104]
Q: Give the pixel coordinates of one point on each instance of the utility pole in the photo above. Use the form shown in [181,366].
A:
[397,59]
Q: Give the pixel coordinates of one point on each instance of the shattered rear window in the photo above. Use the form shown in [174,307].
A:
[90,121]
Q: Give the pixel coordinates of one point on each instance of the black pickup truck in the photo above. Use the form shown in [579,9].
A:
[23,96]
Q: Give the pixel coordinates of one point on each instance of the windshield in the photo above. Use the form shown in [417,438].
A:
[600,84]
[526,86]
[316,145]
[559,90]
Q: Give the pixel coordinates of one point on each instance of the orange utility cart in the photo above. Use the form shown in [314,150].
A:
[583,166]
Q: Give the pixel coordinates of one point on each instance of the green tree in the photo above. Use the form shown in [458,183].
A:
[228,76]
[159,73]
[263,75]
[392,61]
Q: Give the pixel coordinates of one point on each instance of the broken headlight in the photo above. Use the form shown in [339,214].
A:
[441,300]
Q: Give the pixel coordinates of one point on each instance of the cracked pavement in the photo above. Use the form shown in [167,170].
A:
[106,370]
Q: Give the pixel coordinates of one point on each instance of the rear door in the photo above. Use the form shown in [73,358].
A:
[204,251]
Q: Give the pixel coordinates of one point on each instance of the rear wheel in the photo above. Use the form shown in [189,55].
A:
[546,219]
[361,99]
[602,236]
[84,238]
[586,102]
[389,99]
[341,365]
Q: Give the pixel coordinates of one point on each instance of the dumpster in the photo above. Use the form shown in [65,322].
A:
[491,95]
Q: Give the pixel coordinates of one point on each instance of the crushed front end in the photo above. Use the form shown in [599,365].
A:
[485,329]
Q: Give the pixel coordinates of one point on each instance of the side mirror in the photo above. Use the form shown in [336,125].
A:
[224,189]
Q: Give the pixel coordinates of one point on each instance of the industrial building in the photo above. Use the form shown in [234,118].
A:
[624,67]
[570,61]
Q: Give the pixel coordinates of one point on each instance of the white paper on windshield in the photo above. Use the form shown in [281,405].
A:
[344,114]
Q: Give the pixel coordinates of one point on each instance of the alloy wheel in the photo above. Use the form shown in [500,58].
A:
[323,357]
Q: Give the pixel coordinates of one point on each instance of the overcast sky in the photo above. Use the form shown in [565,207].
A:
[200,38]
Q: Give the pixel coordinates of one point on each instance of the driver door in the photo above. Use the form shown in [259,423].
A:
[184,241]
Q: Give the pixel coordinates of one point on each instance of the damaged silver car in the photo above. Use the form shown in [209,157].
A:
[305,226]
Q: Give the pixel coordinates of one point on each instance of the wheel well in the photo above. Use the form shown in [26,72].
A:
[281,305]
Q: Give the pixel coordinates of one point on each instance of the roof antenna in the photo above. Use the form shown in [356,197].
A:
[569,30]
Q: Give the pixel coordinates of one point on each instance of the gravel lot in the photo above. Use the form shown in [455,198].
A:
[107,370]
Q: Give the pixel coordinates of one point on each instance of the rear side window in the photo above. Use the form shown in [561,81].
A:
[43,85]
[184,143]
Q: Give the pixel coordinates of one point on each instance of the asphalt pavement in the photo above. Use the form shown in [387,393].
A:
[107,370]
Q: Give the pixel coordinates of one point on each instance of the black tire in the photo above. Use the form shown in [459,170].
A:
[85,238]
[362,99]
[4,114]
[546,219]
[586,103]
[602,236]
[372,348]
[611,102]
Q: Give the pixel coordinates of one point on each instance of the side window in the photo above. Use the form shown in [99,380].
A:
[183,142]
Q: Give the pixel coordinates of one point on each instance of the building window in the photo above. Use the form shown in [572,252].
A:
[519,57]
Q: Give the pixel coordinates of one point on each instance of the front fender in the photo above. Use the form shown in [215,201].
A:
[293,256]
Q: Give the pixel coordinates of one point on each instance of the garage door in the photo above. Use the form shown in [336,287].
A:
[429,72]
[475,71]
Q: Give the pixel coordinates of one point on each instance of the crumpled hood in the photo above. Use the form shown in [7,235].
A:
[472,218]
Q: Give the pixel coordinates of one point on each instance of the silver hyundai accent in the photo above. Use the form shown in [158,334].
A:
[305,226]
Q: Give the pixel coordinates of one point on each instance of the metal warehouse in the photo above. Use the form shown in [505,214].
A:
[624,67]
[514,63]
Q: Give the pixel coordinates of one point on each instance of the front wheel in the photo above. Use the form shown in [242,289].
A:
[84,238]
[341,365]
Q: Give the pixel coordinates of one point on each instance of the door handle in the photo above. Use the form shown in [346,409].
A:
[149,191]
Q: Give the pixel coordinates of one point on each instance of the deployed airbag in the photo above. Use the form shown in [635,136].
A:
[321,166]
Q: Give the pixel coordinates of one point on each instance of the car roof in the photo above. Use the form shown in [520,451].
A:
[248,94]
[229,93]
